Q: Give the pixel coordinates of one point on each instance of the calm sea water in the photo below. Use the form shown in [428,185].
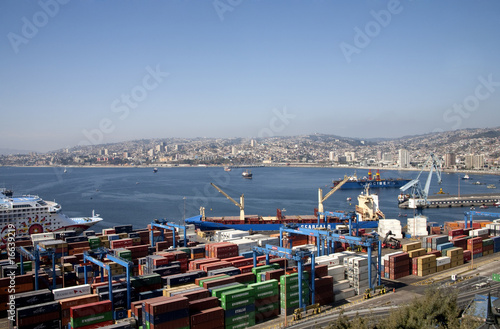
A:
[137,195]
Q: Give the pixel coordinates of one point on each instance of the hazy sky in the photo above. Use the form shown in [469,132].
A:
[88,71]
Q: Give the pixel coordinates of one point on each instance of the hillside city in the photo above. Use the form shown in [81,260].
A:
[468,149]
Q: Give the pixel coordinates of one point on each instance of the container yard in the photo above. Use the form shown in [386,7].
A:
[128,278]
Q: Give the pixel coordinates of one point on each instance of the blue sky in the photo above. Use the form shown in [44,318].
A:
[80,72]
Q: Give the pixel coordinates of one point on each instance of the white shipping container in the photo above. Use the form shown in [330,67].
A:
[344,294]
[442,260]
[69,292]
[341,285]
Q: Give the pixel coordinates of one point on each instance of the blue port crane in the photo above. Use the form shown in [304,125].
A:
[163,224]
[91,257]
[300,256]
[325,235]
[468,215]
[418,196]
[35,255]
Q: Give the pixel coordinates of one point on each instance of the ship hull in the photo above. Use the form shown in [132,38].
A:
[207,225]
[384,183]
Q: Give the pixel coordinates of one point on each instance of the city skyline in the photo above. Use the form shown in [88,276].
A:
[83,72]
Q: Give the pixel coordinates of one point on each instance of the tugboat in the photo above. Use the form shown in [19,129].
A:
[246,174]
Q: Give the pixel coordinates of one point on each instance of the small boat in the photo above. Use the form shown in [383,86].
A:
[246,174]
[349,199]
[483,206]
[491,186]
[466,177]
[477,183]
[227,169]
[65,170]
[155,170]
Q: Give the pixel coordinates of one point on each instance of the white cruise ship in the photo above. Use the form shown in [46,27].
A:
[30,214]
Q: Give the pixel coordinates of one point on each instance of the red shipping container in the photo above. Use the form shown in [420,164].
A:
[231,259]
[242,262]
[467,255]
[89,309]
[219,282]
[247,277]
[203,304]
[207,315]
[214,266]
[195,295]
[168,305]
[179,323]
[246,269]
[282,262]
[213,324]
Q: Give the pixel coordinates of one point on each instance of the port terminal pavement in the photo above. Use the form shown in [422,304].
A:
[400,292]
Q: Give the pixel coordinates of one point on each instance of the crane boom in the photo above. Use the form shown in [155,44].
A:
[240,204]
[322,198]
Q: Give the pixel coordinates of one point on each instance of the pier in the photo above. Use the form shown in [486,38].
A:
[466,200]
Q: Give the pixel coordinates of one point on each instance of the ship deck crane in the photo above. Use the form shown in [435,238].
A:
[322,198]
[240,204]
[418,196]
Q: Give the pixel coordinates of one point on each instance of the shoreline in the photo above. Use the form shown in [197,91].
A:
[351,168]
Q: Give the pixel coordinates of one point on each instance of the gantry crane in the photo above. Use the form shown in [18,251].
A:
[322,198]
[418,196]
[240,204]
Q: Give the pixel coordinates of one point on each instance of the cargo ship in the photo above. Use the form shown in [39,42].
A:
[29,214]
[373,182]
[366,215]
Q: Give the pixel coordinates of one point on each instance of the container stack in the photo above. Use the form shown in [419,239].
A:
[197,252]
[239,308]
[438,240]
[289,292]
[68,303]
[45,315]
[443,263]
[424,265]
[91,314]
[475,245]
[417,226]
[323,290]
[493,229]
[452,234]
[259,271]
[209,318]
[399,266]
[221,250]
[357,273]
[482,233]
[496,243]
[488,247]
[267,300]
[393,225]
[166,313]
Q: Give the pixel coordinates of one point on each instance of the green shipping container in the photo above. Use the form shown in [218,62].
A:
[496,277]
[266,285]
[242,325]
[488,242]
[28,266]
[294,303]
[267,307]
[264,268]
[266,293]
[240,318]
[294,294]
[293,278]
[210,279]
[145,280]
[238,294]
[218,292]
[237,303]
[91,319]
[294,286]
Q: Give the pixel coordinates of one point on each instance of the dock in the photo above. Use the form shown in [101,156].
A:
[465,200]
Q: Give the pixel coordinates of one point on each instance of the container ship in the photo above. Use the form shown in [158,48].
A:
[366,215]
[30,214]
[374,182]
